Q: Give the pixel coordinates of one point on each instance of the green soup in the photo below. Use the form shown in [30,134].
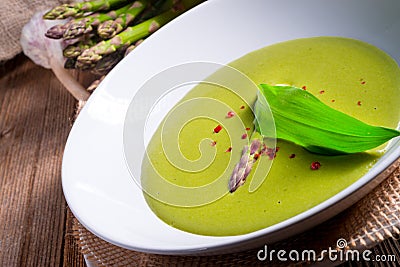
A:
[351,76]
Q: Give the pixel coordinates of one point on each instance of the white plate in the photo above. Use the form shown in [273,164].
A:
[96,182]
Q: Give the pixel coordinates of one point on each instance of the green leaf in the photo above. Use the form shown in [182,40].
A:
[303,119]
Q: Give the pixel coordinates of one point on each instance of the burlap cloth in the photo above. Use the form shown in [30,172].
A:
[14,15]
[374,218]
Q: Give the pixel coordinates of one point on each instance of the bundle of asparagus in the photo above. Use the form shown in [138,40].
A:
[99,33]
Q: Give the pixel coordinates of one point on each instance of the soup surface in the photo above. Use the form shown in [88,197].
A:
[349,75]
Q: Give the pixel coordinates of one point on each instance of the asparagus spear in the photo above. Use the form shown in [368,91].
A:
[110,28]
[156,8]
[78,9]
[81,26]
[91,56]
[70,63]
[104,65]
[108,62]
[95,84]
[74,50]
[243,167]
[57,31]
[131,47]
[250,154]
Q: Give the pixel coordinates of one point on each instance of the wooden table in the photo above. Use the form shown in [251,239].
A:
[35,112]
[35,119]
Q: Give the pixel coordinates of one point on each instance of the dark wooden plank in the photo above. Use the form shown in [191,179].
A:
[34,126]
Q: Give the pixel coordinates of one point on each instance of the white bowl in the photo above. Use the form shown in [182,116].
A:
[96,182]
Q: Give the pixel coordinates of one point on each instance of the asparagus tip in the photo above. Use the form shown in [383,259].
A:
[62,12]
[77,29]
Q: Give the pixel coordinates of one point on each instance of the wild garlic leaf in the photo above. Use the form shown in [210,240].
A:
[303,119]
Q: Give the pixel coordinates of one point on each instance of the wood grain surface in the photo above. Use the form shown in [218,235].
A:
[35,112]
[35,119]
